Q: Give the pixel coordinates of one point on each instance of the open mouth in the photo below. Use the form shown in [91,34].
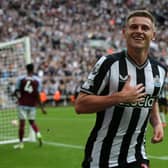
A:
[138,38]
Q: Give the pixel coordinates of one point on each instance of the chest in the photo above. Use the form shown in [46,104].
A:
[152,77]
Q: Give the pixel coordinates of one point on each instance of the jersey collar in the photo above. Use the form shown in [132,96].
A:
[134,63]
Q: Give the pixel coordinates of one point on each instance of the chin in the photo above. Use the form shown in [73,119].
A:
[137,47]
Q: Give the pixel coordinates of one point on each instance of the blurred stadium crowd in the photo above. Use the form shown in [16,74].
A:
[67,36]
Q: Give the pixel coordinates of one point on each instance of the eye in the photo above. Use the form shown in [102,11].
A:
[133,27]
[145,28]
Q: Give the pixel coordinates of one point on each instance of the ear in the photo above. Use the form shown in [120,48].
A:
[123,32]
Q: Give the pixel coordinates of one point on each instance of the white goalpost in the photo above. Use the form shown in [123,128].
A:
[14,55]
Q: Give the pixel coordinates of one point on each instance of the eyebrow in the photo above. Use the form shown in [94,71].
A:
[140,24]
[147,24]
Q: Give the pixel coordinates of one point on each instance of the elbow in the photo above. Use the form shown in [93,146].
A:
[80,105]
[81,109]
[78,109]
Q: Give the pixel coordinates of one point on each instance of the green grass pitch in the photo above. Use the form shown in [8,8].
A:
[65,134]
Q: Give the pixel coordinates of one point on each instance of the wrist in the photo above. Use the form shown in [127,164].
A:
[117,98]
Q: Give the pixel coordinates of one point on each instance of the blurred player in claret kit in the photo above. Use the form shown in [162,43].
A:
[27,91]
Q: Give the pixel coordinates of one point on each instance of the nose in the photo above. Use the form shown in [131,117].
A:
[139,29]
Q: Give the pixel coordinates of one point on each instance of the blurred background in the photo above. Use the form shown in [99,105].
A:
[67,36]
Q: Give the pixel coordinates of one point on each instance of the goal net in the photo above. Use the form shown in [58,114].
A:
[14,56]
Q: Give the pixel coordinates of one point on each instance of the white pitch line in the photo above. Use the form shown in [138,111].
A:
[159,157]
[66,119]
[57,144]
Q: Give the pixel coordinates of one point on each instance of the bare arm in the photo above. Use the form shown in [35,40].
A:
[155,121]
[93,103]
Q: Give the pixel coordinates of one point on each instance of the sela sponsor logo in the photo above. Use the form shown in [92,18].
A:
[147,103]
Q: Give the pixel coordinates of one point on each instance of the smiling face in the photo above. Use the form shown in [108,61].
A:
[139,32]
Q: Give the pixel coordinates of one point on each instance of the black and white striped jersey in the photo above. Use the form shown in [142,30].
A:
[118,135]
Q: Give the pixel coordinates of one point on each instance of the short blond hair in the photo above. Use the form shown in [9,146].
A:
[141,12]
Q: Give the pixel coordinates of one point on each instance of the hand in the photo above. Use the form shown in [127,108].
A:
[158,134]
[132,94]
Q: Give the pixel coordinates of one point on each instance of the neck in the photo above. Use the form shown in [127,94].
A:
[139,56]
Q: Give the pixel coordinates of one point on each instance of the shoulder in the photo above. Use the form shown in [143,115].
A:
[36,78]
[19,78]
[157,63]
[110,59]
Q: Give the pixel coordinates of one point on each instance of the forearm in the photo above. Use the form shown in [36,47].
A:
[93,103]
[158,132]
[155,117]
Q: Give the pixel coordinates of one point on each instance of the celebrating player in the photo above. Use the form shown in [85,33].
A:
[27,92]
[123,89]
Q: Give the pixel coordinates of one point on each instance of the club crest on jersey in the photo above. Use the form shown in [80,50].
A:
[123,78]
[157,81]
